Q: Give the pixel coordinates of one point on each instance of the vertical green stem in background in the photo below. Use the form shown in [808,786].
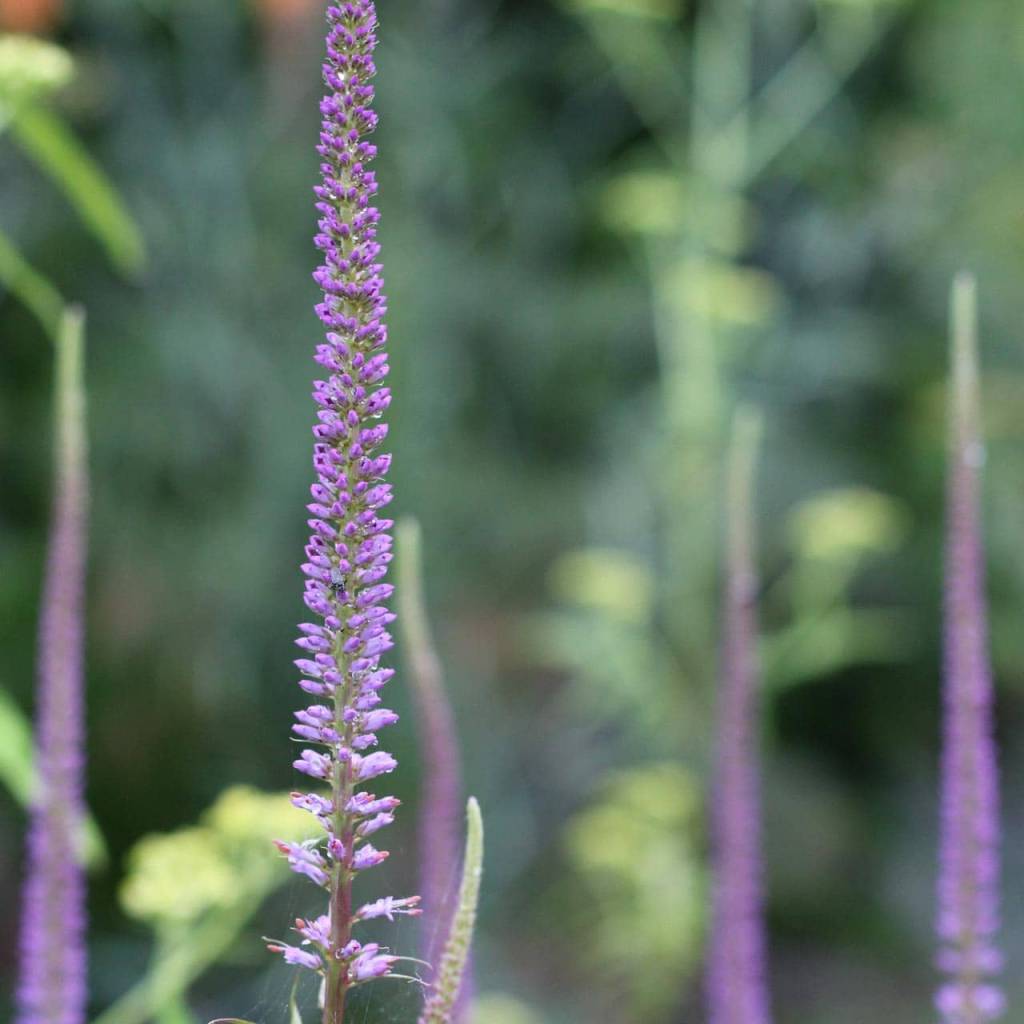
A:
[31,288]
[689,340]
[746,438]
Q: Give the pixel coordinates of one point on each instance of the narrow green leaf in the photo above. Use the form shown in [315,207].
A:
[294,1017]
[175,1011]
[445,990]
[30,287]
[15,750]
[51,145]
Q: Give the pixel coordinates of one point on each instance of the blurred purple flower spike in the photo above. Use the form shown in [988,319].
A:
[440,826]
[968,886]
[736,989]
[350,547]
[52,972]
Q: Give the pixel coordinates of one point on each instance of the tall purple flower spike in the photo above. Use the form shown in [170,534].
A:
[348,553]
[968,889]
[52,971]
[735,985]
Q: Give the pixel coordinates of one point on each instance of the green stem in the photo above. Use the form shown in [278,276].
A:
[176,967]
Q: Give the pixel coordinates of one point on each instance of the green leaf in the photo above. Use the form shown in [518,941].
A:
[445,990]
[48,142]
[657,9]
[30,287]
[15,750]
[17,774]
[294,1017]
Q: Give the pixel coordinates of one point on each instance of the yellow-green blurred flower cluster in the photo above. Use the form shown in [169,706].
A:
[173,879]
[31,68]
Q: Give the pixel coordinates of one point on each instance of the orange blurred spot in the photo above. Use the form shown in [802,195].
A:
[276,11]
[30,15]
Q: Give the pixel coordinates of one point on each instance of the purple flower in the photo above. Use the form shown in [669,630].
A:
[52,970]
[388,907]
[349,547]
[295,955]
[371,965]
[736,988]
[305,861]
[968,888]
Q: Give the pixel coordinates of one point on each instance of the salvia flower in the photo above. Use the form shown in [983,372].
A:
[52,970]
[350,545]
[736,987]
[968,898]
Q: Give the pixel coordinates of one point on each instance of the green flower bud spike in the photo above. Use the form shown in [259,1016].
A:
[440,1003]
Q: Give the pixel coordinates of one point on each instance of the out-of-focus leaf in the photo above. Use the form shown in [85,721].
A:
[824,644]
[663,9]
[495,1008]
[30,287]
[15,749]
[175,1012]
[606,579]
[31,68]
[636,853]
[861,4]
[18,775]
[294,1017]
[50,144]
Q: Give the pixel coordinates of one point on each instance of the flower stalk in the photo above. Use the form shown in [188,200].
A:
[52,970]
[968,887]
[350,545]
[735,986]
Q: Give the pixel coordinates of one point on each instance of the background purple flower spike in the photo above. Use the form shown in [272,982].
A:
[968,887]
[736,986]
[350,546]
[440,825]
[52,972]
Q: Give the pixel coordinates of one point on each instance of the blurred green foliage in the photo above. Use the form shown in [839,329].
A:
[197,888]
[635,857]
[604,223]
